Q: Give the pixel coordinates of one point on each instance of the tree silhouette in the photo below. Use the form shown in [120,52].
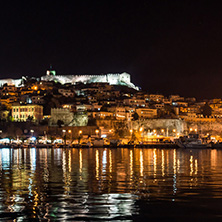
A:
[135,116]
[60,123]
[206,110]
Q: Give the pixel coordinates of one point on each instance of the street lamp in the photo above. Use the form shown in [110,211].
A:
[79,139]
[131,134]
[141,133]
[174,132]
[32,131]
[64,136]
[97,132]
[70,131]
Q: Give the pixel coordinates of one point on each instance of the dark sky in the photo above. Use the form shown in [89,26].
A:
[168,46]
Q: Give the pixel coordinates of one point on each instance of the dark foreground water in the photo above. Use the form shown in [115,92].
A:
[110,184]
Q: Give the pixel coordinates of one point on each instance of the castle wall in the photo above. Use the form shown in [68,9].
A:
[68,117]
[112,79]
[15,82]
[60,114]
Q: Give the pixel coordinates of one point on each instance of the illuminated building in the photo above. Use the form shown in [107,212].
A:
[24,112]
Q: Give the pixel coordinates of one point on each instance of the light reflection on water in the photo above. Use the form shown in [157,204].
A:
[124,184]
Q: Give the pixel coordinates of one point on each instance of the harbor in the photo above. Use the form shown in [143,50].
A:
[192,141]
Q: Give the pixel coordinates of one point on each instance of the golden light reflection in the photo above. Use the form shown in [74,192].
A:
[63,163]
[196,167]
[163,162]
[191,165]
[110,162]
[70,161]
[46,158]
[131,164]
[167,161]
[66,173]
[46,171]
[174,162]
[154,163]
[213,158]
[141,163]
[36,200]
[178,165]
[80,164]
[97,164]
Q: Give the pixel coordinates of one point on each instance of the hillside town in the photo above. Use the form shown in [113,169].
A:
[50,111]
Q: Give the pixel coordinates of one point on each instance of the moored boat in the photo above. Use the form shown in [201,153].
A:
[192,141]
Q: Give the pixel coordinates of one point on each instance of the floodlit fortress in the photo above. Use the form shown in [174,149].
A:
[112,79]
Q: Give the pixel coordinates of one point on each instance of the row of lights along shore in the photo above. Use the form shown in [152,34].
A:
[80,132]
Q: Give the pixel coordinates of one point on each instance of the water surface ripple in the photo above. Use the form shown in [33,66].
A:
[110,184]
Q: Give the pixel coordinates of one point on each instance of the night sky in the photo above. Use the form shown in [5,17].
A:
[169,47]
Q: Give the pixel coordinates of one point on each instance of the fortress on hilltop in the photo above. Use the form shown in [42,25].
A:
[112,79]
